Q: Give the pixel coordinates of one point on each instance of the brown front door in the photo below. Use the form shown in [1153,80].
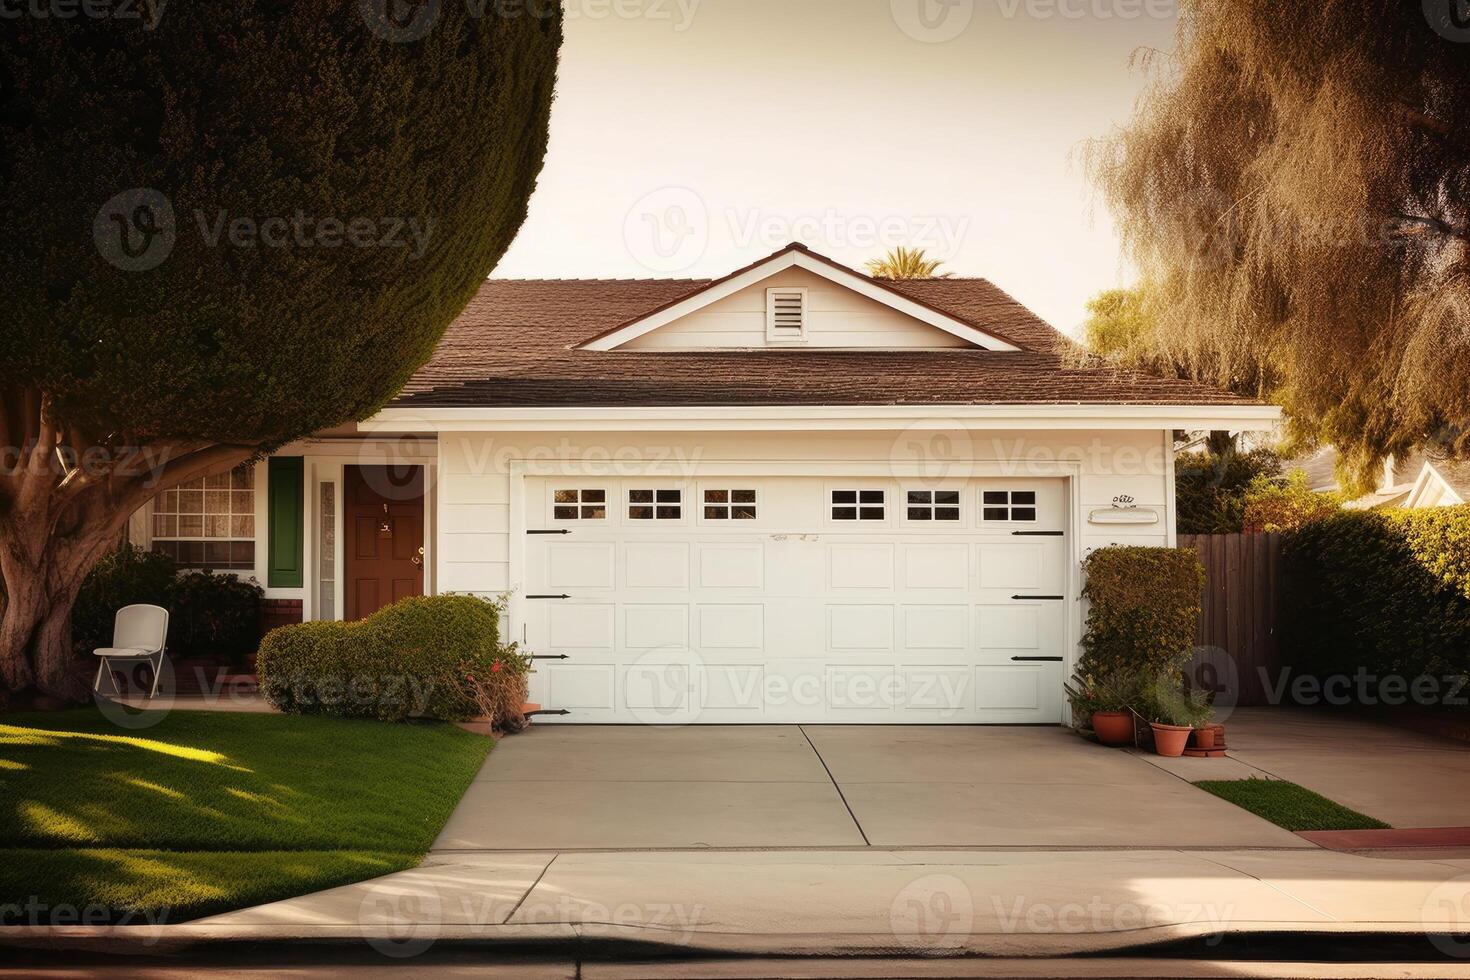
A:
[384,524]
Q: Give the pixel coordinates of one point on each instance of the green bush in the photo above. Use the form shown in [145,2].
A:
[214,615]
[1387,592]
[1144,610]
[125,577]
[409,659]
[1210,491]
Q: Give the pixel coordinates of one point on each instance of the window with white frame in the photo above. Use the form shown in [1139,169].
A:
[859,505]
[209,522]
[655,505]
[730,505]
[579,505]
[932,505]
[998,506]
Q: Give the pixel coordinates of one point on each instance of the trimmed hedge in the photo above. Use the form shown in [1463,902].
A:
[406,660]
[1144,612]
[1388,592]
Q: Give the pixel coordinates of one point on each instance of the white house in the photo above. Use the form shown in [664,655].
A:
[791,494]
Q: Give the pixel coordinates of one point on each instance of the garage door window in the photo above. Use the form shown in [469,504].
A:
[579,505]
[933,505]
[1008,505]
[858,505]
[729,505]
[655,505]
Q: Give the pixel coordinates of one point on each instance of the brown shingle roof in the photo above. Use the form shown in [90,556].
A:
[512,346]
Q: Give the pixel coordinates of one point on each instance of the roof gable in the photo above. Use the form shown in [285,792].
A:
[854,312]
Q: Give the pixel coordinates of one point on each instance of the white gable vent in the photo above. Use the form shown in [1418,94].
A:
[786,316]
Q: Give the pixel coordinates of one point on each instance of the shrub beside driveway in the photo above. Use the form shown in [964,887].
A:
[205,812]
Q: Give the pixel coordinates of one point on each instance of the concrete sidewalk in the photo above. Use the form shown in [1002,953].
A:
[873,901]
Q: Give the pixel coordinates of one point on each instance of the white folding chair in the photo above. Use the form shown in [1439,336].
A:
[139,634]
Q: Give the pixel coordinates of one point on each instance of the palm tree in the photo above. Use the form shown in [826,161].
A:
[906,263]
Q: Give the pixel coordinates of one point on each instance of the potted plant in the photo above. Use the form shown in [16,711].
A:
[1173,714]
[1108,702]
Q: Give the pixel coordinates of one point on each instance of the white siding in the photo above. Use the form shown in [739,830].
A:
[836,317]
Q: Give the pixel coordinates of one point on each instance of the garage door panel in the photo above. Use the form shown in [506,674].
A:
[584,686]
[936,566]
[1013,566]
[647,627]
[942,690]
[862,688]
[936,628]
[1015,688]
[661,691]
[734,688]
[656,565]
[732,566]
[731,627]
[581,626]
[1005,628]
[853,627]
[860,566]
[580,565]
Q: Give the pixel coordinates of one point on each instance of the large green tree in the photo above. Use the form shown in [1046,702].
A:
[224,229]
[1295,188]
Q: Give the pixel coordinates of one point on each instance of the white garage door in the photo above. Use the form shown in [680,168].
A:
[782,599]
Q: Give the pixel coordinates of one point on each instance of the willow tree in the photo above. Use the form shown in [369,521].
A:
[225,229]
[1295,187]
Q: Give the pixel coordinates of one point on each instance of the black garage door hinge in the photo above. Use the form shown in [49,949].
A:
[1033,598]
[548,597]
[1032,660]
[548,711]
[565,530]
[551,656]
[1038,534]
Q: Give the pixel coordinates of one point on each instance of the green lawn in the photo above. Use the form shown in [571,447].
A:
[205,812]
[1289,805]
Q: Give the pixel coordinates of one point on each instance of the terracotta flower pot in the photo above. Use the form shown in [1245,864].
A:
[1170,740]
[1113,727]
[1204,738]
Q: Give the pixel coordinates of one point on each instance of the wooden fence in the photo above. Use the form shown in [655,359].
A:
[1237,630]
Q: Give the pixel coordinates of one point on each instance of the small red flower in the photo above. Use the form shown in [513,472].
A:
[495,667]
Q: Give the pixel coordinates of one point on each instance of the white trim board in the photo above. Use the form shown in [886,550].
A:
[795,258]
[1240,418]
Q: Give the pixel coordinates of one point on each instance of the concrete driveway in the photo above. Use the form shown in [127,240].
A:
[559,788]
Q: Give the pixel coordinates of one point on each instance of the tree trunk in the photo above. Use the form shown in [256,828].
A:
[58,516]
[42,578]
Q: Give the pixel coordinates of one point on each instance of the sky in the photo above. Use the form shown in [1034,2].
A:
[692,137]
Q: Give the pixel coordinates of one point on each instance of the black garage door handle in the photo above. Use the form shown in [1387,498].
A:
[1049,660]
[1038,598]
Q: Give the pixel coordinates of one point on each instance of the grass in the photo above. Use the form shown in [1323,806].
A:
[1288,805]
[206,812]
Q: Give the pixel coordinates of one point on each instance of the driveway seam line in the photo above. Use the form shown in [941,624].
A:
[512,915]
[840,795]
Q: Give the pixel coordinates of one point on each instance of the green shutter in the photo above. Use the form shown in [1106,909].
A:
[286,534]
